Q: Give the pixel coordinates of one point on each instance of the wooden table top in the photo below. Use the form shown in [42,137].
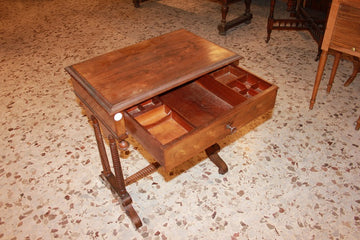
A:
[128,76]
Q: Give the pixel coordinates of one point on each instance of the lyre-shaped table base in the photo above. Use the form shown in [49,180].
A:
[117,183]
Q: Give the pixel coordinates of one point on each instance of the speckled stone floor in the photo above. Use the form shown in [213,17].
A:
[295,176]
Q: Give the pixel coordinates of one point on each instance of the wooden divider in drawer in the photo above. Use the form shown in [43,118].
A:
[160,121]
[178,124]
[240,81]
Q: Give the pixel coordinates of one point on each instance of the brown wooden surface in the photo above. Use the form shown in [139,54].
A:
[343,29]
[205,108]
[173,117]
[125,77]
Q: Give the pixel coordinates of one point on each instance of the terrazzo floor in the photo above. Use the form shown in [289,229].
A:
[294,174]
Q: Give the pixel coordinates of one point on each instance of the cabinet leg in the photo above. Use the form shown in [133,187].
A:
[212,153]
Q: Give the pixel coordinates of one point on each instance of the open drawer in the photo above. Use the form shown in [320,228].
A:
[180,123]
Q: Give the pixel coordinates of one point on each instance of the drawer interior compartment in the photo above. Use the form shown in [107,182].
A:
[195,103]
[160,121]
[240,81]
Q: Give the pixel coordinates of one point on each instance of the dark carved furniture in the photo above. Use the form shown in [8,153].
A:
[224,24]
[307,15]
[342,36]
[176,94]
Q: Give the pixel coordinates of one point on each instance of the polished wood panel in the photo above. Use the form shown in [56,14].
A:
[117,80]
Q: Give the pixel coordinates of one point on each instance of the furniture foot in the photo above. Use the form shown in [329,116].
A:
[212,153]
[125,200]
[118,184]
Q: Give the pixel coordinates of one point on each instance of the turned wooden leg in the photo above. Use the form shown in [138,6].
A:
[270,22]
[333,71]
[319,74]
[212,153]
[247,11]
[356,70]
[224,12]
[120,184]
[100,143]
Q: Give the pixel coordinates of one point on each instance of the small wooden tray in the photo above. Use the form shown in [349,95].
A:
[244,83]
[161,122]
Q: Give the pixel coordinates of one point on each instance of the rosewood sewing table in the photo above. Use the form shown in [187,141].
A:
[176,94]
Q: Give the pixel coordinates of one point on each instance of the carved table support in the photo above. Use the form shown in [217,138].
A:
[224,25]
[116,183]
[212,153]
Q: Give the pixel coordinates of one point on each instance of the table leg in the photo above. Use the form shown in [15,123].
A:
[319,74]
[116,183]
[333,71]
[120,184]
[224,25]
[270,22]
[212,153]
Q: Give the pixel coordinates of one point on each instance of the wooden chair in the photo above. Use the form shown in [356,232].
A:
[342,36]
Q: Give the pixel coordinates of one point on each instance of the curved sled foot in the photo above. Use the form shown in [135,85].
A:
[212,153]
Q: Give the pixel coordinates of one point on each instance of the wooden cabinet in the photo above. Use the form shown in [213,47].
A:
[342,36]
[176,94]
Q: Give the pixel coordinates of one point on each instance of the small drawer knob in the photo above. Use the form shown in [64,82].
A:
[118,117]
[353,49]
[231,128]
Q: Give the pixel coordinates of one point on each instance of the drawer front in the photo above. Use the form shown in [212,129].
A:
[203,138]
[181,123]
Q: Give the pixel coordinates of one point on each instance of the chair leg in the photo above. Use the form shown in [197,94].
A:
[333,71]
[356,70]
[319,74]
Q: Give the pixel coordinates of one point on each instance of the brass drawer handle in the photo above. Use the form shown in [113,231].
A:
[231,128]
